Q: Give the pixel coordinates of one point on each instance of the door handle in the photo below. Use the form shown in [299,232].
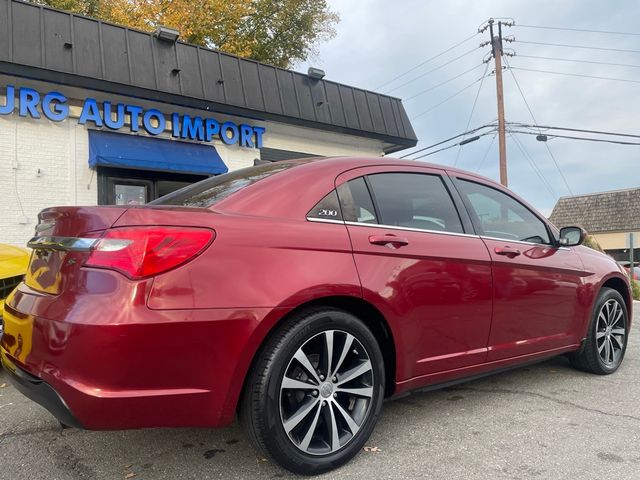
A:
[507,251]
[390,241]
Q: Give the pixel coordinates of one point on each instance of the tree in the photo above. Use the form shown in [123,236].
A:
[279,32]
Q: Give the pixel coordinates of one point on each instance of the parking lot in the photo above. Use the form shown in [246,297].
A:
[542,421]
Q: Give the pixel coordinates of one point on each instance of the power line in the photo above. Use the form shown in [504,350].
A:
[588,47]
[447,99]
[454,145]
[486,153]
[579,61]
[473,130]
[534,121]
[589,139]
[569,129]
[432,70]
[473,108]
[608,32]
[576,75]
[427,61]
[441,83]
[535,168]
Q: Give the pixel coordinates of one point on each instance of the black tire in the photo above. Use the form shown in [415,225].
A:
[265,397]
[590,357]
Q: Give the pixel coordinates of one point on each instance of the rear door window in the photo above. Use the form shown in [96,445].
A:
[356,203]
[415,200]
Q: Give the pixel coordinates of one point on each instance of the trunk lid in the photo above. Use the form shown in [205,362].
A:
[57,252]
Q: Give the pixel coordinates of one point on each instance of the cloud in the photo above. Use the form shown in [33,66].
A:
[377,40]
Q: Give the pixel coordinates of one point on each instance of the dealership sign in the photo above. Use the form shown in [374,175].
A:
[55,107]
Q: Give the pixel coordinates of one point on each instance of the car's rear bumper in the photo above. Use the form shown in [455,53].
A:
[40,392]
[113,363]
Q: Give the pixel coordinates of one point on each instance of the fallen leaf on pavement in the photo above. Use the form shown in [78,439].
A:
[2,385]
[372,449]
[130,475]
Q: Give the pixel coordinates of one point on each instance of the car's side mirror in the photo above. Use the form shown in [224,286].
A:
[572,236]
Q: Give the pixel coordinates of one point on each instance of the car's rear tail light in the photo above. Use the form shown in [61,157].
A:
[145,251]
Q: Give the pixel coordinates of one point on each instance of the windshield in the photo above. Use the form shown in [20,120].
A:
[212,190]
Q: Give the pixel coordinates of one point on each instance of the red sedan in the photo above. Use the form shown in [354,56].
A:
[299,294]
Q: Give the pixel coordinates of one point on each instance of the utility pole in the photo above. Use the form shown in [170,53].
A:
[496,52]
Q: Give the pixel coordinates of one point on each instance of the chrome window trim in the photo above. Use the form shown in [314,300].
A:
[409,229]
[68,244]
[517,241]
[324,220]
[394,227]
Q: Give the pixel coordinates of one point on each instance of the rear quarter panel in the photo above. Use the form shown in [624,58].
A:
[257,262]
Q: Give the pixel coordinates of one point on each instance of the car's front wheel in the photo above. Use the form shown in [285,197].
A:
[315,392]
[606,341]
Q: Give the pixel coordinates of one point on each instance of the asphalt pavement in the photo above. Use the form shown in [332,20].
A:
[545,421]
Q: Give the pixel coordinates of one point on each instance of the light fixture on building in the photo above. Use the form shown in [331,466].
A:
[542,138]
[315,73]
[167,34]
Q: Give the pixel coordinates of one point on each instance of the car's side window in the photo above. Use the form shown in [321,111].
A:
[415,200]
[501,216]
[327,209]
[356,203]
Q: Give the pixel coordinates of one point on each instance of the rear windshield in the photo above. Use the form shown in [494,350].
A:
[212,190]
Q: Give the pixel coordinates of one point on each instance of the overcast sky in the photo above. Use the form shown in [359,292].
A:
[377,40]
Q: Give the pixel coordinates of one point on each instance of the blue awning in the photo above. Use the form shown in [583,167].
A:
[129,151]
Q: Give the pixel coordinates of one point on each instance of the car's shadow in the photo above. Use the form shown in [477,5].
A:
[225,453]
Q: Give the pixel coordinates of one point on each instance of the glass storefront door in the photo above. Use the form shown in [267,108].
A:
[137,187]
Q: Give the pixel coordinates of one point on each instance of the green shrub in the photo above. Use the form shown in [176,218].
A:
[591,242]
[635,289]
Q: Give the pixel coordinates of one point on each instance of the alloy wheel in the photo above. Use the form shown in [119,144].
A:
[326,392]
[610,332]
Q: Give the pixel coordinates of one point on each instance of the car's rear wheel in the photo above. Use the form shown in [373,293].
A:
[606,342]
[315,391]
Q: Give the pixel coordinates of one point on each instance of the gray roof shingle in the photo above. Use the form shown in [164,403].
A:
[614,211]
[51,45]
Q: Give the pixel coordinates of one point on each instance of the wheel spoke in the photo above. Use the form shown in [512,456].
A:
[617,331]
[617,319]
[602,316]
[361,392]
[602,346]
[608,314]
[599,335]
[618,340]
[333,427]
[353,426]
[614,314]
[354,372]
[328,337]
[297,417]
[291,383]
[607,350]
[304,361]
[343,354]
[312,428]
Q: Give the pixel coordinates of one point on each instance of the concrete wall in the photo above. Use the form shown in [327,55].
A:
[616,240]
